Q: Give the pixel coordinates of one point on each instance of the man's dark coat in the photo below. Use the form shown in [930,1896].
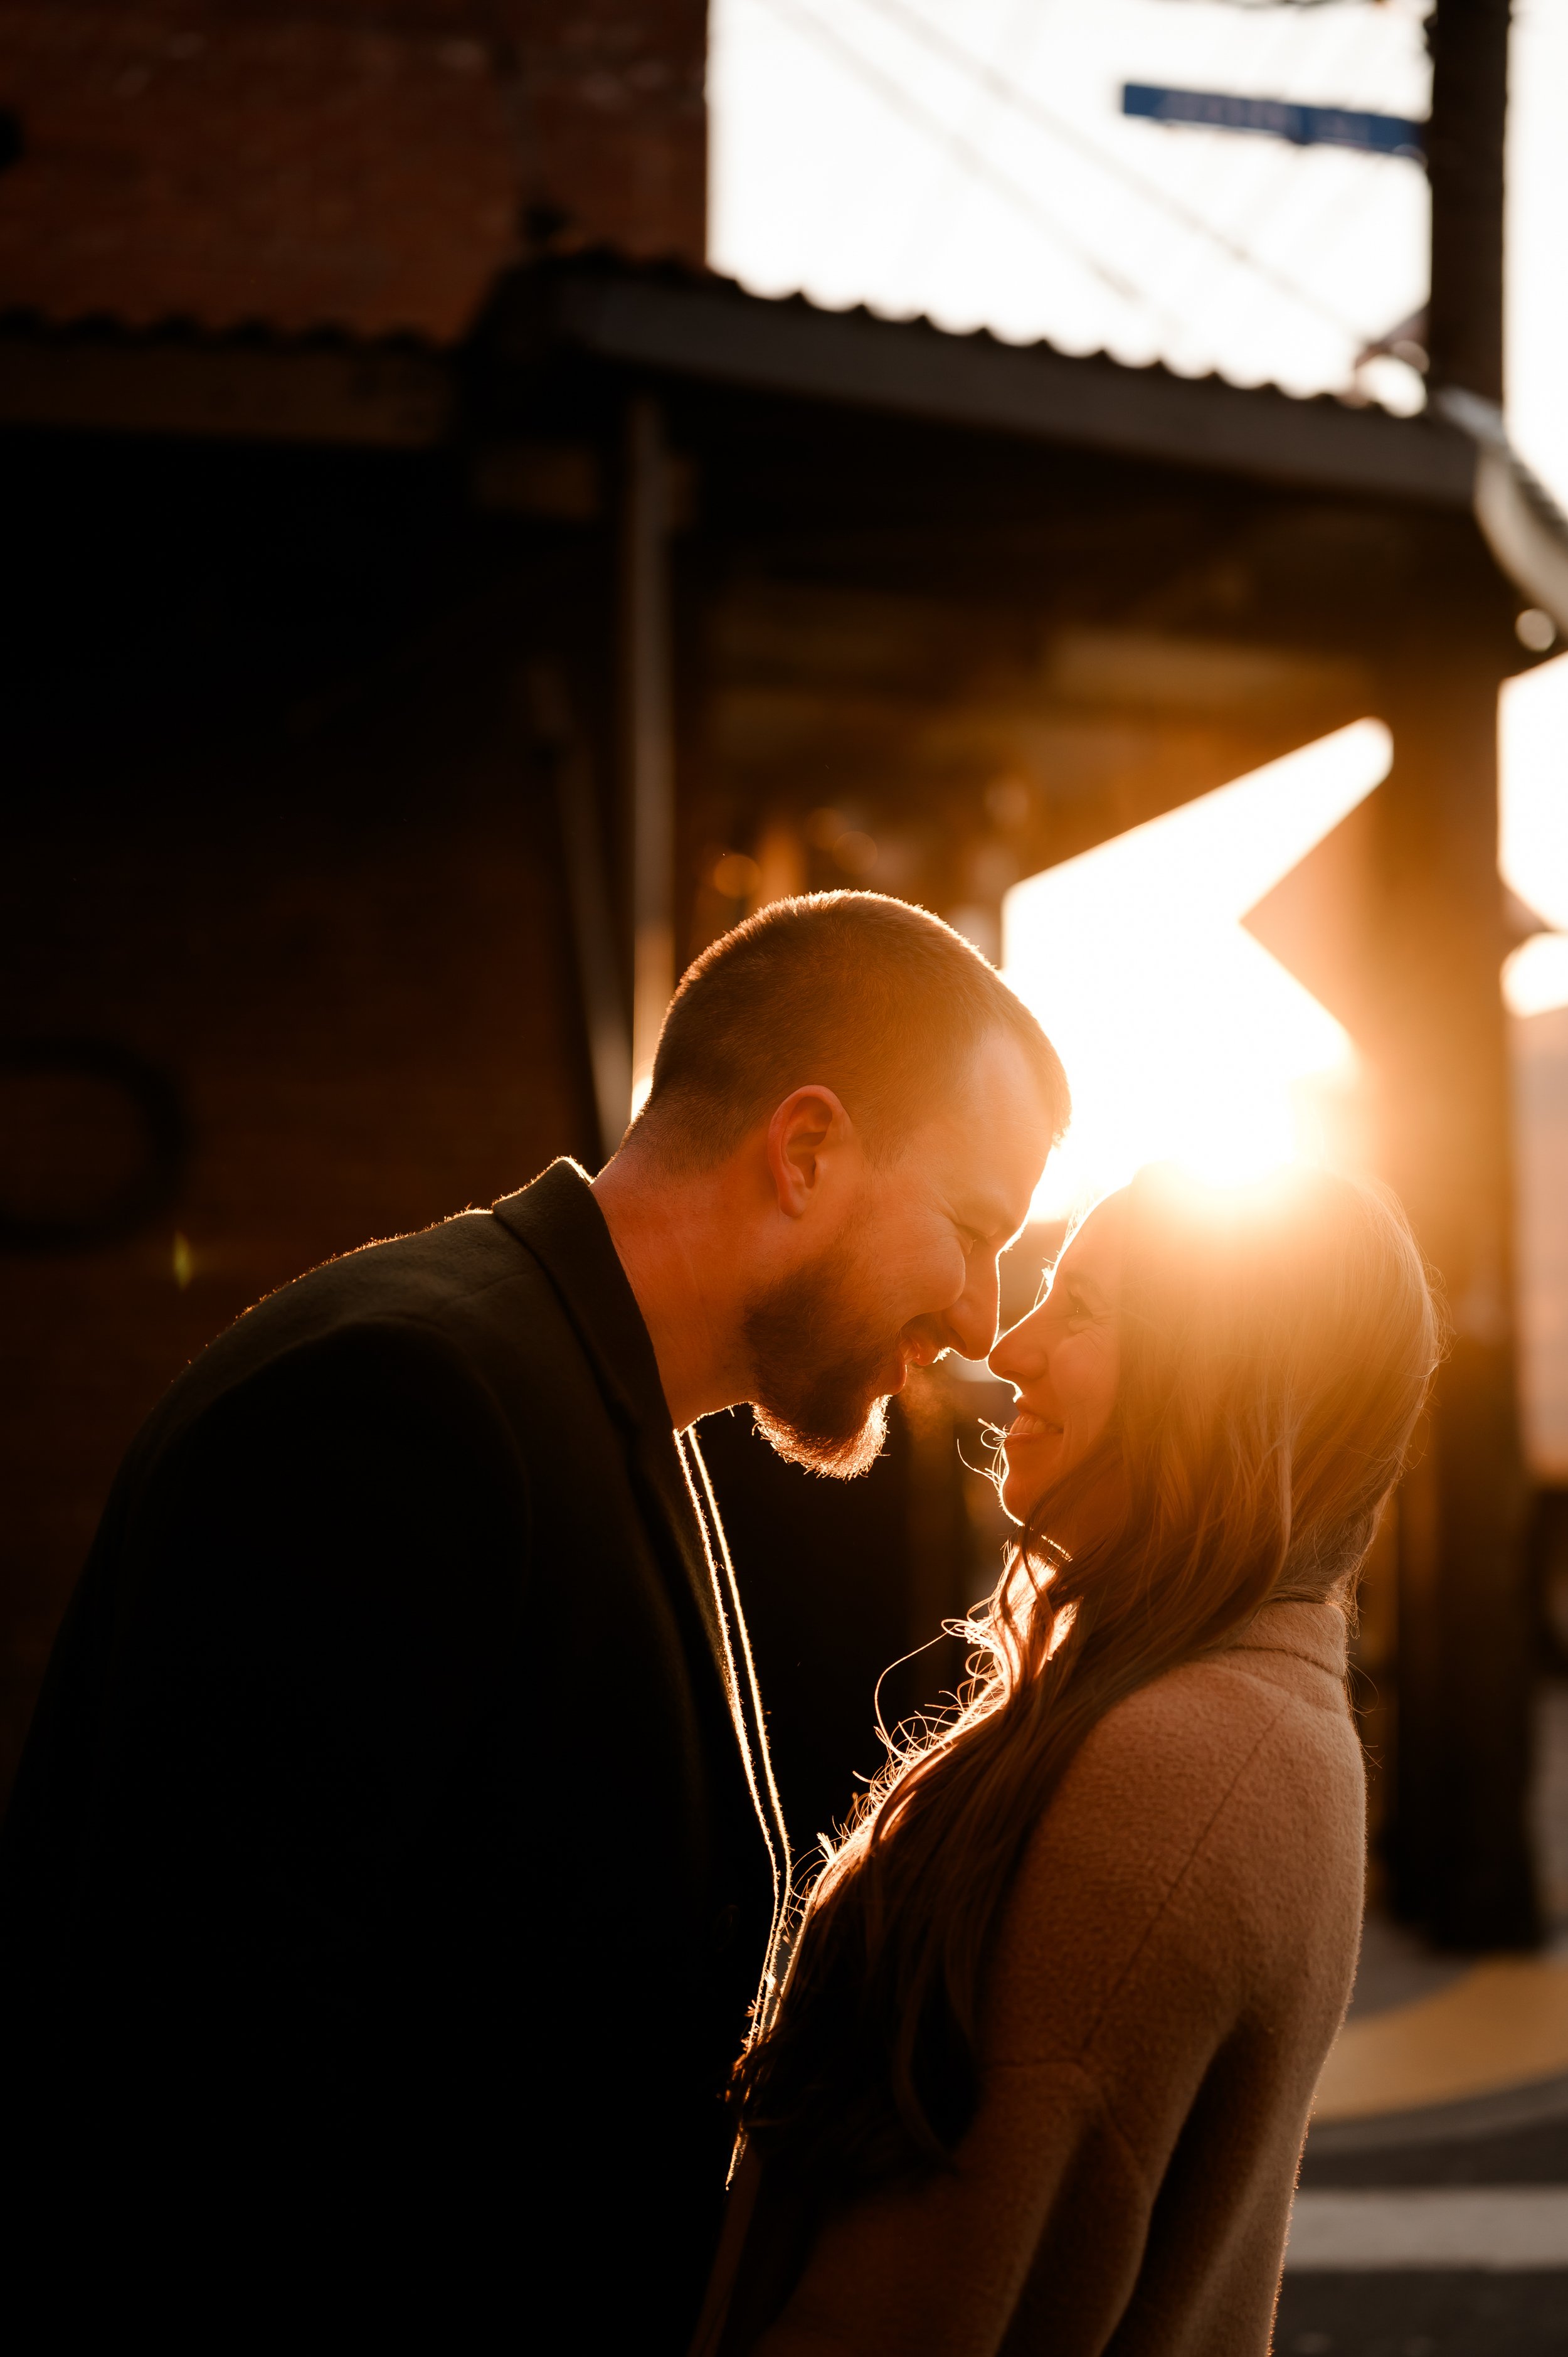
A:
[393,1857]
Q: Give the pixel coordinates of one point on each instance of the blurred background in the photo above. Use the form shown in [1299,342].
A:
[495,492]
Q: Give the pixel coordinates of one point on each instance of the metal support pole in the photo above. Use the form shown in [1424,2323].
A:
[593,927]
[1459,1844]
[1469,44]
[647,730]
[1459,1847]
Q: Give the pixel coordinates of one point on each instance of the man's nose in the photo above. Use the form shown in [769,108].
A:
[972,1318]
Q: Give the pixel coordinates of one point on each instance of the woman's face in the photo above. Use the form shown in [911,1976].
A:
[1065,1361]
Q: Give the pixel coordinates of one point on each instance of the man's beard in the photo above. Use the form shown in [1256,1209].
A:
[816,1370]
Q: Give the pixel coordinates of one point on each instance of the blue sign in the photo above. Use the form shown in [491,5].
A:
[1279,118]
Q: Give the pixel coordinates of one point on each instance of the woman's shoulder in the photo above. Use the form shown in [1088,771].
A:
[1251,1745]
[1203,1823]
[1283,1675]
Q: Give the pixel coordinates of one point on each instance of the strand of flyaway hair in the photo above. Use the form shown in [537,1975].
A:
[979,166]
[1059,128]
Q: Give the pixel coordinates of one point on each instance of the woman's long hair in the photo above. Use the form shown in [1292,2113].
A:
[1276,1343]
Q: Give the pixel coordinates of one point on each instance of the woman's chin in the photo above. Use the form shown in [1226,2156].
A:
[1024,1479]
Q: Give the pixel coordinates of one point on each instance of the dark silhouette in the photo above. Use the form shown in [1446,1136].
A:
[395,1856]
[398,1643]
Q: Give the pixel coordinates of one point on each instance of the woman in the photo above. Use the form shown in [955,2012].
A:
[1043,2064]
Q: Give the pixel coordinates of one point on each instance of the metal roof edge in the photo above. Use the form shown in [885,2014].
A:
[716,331]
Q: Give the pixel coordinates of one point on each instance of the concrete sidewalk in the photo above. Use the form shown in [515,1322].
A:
[1433,2215]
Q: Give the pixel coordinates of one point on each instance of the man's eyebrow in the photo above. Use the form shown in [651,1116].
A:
[991,1216]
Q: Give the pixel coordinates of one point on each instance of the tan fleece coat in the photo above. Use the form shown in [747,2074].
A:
[1173,1963]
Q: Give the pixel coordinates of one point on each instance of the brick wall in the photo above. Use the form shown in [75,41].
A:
[335,165]
[334,919]
[616,123]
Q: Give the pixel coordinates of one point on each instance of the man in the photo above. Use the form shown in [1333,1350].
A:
[393,1860]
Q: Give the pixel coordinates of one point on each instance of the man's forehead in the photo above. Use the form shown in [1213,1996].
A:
[998,1074]
[988,1157]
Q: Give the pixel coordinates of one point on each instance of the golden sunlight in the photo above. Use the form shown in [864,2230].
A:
[1183,1039]
[1532,847]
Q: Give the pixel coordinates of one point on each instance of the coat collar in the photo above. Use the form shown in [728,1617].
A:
[1318,1633]
[560,1224]
[558,1221]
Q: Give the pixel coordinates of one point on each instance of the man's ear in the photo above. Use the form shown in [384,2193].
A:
[810,1127]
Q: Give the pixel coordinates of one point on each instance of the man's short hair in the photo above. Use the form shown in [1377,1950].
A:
[875,1000]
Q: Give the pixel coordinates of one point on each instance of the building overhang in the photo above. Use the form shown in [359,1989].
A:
[669,325]
[715,331]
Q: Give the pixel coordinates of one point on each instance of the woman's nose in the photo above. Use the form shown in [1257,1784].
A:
[1020,1353]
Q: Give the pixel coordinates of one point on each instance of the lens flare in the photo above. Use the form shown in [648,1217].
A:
[1183,1039]
[1532,845]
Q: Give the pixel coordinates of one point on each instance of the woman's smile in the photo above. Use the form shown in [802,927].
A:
[1062,1361]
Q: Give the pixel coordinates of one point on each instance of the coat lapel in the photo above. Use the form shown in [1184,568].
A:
[560,1224]
[746,1702]
[557,1220]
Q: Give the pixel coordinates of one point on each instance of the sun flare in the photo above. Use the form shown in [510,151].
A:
[1183,1039]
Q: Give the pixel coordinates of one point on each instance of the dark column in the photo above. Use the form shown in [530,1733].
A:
[1468,40]
[647,728]
[1459,1854]
[566,756]
[1458,1841]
